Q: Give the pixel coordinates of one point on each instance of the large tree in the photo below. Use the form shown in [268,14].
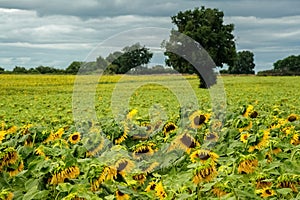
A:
[130,57]
[206,27]
[244,63]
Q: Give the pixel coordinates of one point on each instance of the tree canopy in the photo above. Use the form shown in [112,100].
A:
[206,27]
[290,63]
[244,63]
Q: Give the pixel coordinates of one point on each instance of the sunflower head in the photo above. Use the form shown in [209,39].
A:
[244,137]
[211,137]
[74,138]
[247,164]
[185,142]
[124,165]
[198,119]
[266,192]
[203,155]
[168,128]
[292,117]
[122,196]
[141,150]
[204,173]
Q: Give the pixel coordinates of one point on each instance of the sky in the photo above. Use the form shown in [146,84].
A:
[55,33]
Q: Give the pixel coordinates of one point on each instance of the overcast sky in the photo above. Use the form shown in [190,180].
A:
[55,33]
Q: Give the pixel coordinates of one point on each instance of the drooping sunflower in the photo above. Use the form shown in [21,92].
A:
[262,143]
[292,117]
[266,192]
[123,166]
[287,181]
[198,119]
[204,173]
[168,128]
[6,194]
[185,142]
[14,172]
[68,173]
[143,149]
[106,173]
[295,139]
[74,138]
[159,191]
[8,157]
[55,135]
[203,155]
[131,114]
[244,137]
[219,190]
[247,164]
[261,181]
[97,148]
[247,111]
[123,137]
[139,177]
[122,196]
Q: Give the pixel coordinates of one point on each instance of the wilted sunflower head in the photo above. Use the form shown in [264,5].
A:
[185,142]
[74,138]
[124,165]
[197,119]
[212,137]
[142,150]
[203,155]
[122,196]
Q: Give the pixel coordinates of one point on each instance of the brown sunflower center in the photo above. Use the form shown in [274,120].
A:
[292,118]
[169,127]
[153,186]
[122,165]
[75,137]
[268,192]
[188,141]
[200,119]
[254,114]
[143,150]
[203,156]
[120,193]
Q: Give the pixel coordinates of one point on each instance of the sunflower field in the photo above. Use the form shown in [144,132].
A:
[154,149]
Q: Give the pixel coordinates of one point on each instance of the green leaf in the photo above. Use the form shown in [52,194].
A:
[284,191]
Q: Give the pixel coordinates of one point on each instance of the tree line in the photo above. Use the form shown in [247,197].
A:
[206,28]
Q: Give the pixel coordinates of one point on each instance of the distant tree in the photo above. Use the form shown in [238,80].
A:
[74,67]
[205,26]
[130,57]
[1,70]
[101,63]
[19,70]
[290,63]
[47,70]
[244,63]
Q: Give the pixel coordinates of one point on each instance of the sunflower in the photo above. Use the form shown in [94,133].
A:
[123,137]
[151,186]
[140,177]
[287,181]
[295,139]
[261,183]
[244,137]
[2,135]
[68,173]
[211,137]
[266,192]
[197,119]
[55,136]
[248,164]
[6,194]
[123,166]
[14,172]
[121,196]
[142,150]
[96,149]
[248,111]
[107,173]
[253,114]
[131,114]
[185,142]
[8,157]
[292,117]
[169,127]
[262,143]
[203,155]
[74,138]
[204,173]
[218,191]
[159,191]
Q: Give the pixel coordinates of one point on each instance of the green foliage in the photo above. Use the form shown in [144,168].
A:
[130,57]
[74,67]
[205,26]
[290,63]
[244,63]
